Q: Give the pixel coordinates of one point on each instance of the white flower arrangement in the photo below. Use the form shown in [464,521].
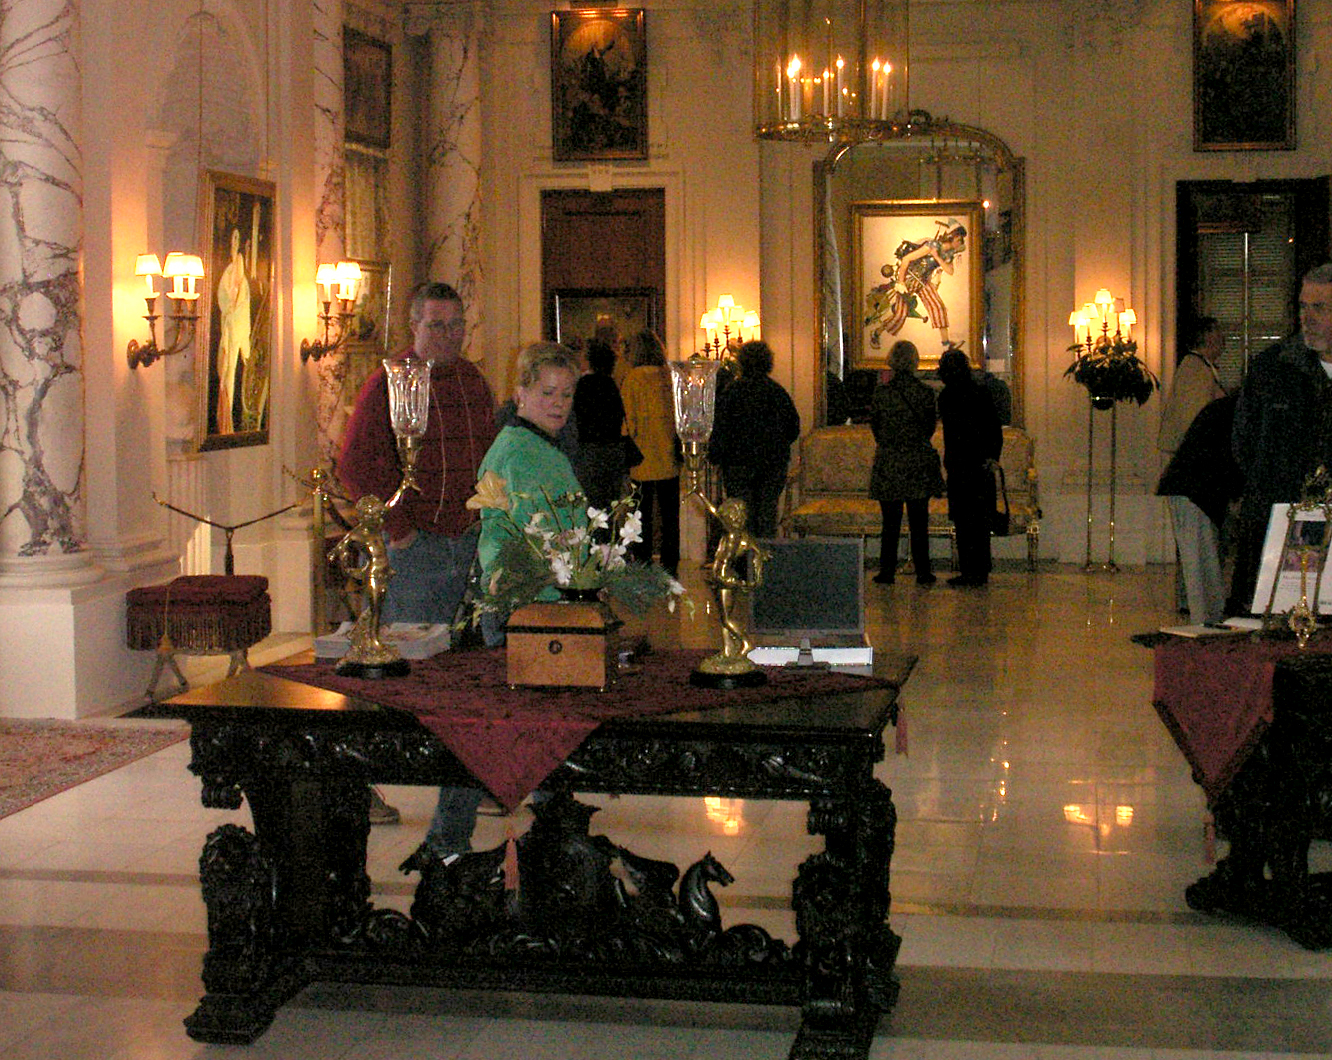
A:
[567,544]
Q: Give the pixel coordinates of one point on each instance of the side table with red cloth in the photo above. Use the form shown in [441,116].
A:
[1214,694]
[511,739]
[198,614]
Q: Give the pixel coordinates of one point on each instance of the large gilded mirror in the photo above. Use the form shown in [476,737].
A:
[919,236]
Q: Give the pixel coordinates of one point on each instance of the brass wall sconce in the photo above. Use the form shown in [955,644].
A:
[719,323]
[345,276]
[184,271]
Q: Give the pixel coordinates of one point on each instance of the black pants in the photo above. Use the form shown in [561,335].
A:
[918,528]
[970,502]
[663,494]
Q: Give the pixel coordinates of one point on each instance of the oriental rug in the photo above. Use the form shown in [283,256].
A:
[40,758]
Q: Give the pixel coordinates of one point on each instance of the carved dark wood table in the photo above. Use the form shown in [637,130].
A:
[1256,725]
[288,904]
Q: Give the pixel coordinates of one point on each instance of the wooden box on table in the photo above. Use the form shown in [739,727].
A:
[561,645]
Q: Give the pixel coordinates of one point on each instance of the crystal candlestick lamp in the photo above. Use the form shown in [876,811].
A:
[363,551]
[737,565]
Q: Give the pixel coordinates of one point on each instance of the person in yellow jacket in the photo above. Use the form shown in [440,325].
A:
[649,416]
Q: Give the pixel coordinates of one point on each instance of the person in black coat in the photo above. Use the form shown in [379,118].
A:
[753,429]
[598,410]
[973,439]
[906,467]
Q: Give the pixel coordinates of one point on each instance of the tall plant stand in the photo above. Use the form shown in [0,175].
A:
[1109,564]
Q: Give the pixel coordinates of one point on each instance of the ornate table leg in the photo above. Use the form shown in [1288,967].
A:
[841,900]
[297,883]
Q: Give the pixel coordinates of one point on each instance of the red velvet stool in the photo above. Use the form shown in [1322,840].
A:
[198,614]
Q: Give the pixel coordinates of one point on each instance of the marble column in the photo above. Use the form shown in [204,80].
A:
[330,202]
[452,149]
[41,227]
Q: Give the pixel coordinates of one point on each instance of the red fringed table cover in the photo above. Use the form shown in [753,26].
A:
[512,739]
[1215,697]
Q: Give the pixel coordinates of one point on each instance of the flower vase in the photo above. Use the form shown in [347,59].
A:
[1102,403]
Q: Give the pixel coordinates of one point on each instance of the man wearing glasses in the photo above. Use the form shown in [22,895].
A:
[432,536]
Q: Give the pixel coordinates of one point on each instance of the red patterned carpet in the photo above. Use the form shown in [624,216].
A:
[41,758]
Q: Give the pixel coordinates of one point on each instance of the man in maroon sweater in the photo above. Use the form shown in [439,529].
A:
[432,536]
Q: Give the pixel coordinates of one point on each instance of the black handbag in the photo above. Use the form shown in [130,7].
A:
[1000,519]
[633,456]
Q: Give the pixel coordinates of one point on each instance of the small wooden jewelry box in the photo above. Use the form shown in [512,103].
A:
[561,645]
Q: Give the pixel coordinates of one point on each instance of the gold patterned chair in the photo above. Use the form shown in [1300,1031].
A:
[830,487]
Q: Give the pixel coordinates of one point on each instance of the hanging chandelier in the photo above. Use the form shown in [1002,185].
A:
[830,69]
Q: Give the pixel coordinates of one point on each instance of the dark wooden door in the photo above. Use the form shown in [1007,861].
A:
[1241,250]
[603,258]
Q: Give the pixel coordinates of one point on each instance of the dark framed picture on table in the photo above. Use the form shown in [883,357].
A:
[917,276]
[235,339]
[1244,75]
[598,84]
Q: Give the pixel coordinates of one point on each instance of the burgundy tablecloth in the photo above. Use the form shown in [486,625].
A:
[1215,697]
[512,739]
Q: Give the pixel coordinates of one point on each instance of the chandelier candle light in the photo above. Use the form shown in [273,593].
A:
[829,69]
[737,565]
[363,551]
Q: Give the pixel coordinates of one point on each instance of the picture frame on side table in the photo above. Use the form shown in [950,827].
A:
[598,84]
[235,338]
[1244,75]
[918,276]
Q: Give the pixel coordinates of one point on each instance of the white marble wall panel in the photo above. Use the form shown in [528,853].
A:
[330,204]
[41,231]
[451,147]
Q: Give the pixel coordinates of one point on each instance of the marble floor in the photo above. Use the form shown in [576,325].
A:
[1047,829]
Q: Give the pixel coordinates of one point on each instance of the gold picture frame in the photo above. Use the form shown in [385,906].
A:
[918,276]
[367,89]
[1244,75]
[368,335]
[235,340]
[598,84]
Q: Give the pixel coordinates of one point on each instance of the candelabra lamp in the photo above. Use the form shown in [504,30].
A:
[737,563]
[727,326]
[1107,364]
[362,553]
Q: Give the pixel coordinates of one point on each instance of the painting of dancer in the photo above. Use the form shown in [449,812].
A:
[918,279]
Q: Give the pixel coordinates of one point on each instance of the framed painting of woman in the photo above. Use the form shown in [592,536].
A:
[235,338]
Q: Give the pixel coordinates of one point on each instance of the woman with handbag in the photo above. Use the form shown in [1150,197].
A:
[906,466]
[602,460]
[649,412]
[973,439]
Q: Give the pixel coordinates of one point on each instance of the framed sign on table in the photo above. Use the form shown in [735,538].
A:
[598,84]
[235,338]
[917,278]
[1244,75]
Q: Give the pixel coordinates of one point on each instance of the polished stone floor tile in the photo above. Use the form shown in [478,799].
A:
[1047,828]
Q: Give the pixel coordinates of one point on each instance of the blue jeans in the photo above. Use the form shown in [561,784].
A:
[429,577]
